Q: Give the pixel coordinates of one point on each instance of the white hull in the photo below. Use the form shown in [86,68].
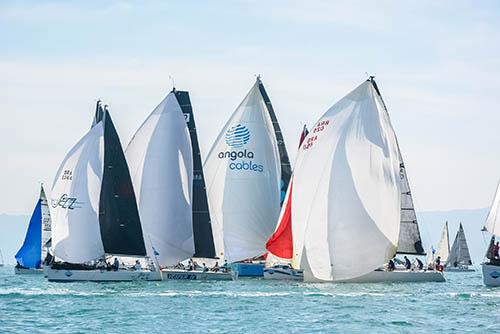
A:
[459,270]
[399,276]
[185,275]
[69,275]
[491,275]
[27,271]
[283,274]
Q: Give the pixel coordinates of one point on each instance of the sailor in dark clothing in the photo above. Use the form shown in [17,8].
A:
[407,263]
[420,264]
[391,266]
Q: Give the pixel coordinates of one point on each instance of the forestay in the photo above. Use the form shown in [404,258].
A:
[161,166]
[243,181]
[346,191]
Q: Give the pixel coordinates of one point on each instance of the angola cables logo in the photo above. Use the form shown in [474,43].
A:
[237,136]
[241,158]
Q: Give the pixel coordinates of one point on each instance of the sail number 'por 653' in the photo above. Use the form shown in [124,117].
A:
[317,129]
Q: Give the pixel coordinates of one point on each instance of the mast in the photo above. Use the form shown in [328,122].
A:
[202,226]
[286,169]
[410,241]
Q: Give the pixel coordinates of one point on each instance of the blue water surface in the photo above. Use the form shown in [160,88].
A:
[30,304]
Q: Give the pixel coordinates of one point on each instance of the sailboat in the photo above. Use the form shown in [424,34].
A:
[459,258]
[491,265]
[441,253]
[31,254]
[342,230]
[1,259]
[247,173]
[94,211]
[165,165]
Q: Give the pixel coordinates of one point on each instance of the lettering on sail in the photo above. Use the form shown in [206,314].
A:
[311,139]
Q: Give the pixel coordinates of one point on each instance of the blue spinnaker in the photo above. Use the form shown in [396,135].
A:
[30,254]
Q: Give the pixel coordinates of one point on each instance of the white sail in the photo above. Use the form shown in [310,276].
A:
[74,200]
[161,166]
[243,174]
[492,224]
[46,223]
[443,250]
[346,197]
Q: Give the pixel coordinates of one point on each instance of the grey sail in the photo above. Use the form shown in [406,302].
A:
[286,169]
[410,241]
[459,254]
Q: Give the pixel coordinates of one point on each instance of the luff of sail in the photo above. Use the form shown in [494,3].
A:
[492,223]
[346,196]
[92,199]
[243,175]
[409,241]
[30,253]
[202,225]
[280,244]
[286,169]
[444,245]
[161,165]
[459,253]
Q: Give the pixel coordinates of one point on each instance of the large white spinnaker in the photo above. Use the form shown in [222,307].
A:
[243,173]
[76,236]
[346,191]
[161,167]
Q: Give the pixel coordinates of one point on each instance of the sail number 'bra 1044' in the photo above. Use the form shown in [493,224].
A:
[67,175]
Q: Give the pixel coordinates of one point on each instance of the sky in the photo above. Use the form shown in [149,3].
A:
[437,64]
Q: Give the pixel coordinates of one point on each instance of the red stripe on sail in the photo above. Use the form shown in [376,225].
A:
[280,244]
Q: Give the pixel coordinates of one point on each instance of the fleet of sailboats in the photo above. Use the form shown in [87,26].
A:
[343,214]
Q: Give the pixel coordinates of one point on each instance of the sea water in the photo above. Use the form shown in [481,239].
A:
[30,304]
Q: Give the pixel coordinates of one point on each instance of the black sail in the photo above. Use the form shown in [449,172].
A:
[202,227]
[286,169]
[119,222]
[410,241]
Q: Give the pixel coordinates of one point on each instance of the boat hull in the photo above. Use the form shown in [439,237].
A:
[283,274]
[185,275]
[398,276]
[248,269]
[491,274]
[70,275]
[27,271]
[459,270]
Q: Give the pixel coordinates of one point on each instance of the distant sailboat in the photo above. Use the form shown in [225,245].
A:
[491,266]
[459,258]
[1,259]
[30,256]
[94,209]
[443,250]
[243,176]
